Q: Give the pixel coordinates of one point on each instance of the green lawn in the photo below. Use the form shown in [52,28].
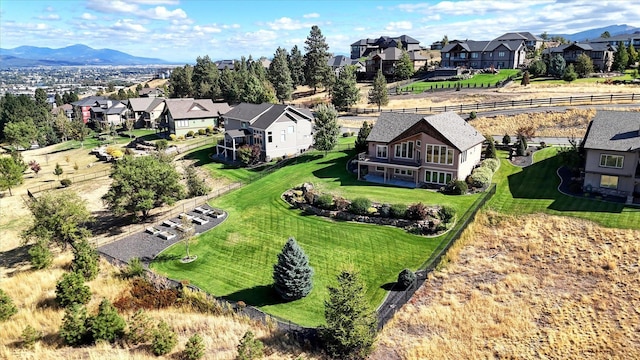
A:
[235,260]
[534,189]
[628,75]
[487,80]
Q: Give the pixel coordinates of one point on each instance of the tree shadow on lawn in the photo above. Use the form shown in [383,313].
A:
[540,181]
[261,295]
[201,156]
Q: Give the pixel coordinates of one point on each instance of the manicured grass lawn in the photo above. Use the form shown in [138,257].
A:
[235,260]
[589,80]
[534,189]
[487,80]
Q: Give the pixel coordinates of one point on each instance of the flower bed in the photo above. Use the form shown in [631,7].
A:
[415,218]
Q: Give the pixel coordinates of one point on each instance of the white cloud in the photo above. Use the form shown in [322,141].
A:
[311,16]
[161,13]
[50,9]
[285,23]
[232,26]
[470,7]
[115,6]
[41,27]
[49,17]
[207,29]
[155,2]
[128,25]
[87,16]
[399,25]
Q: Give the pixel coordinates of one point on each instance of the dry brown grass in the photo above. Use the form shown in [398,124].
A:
[33,293]
[527,287]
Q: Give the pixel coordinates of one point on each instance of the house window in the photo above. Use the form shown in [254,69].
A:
[501,53]
[290,129]
[611,161]
[446,55]
[403,172]
[418,143]
[244,125]
[380,168]
[463,55]
[283,136]
[404,150]
[269,137]
[474,55]
[381,151]
[463,156]
[608,181]
[437,177]
[438,154]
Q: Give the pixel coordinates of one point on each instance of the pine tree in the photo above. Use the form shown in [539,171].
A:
[363,134]
[107,325]
[345,90]
[229,85]
[296,66]
[326,128]
[194,349]
[378,94]
[404,68]
[292,275]
[71,290]
[584,65]
[7,308]
[205,79]
[249,348]
[280,76]
[164,339]
[557,65]
[633,56]
[316,58]
[620,58]
[85,260]
[181,82]
[569,73]
[74,326]
[351,324]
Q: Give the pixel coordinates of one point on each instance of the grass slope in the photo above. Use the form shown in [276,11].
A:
[487,80]
[534,189]
[236,259]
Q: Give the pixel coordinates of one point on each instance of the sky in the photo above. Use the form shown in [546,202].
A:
[181,30]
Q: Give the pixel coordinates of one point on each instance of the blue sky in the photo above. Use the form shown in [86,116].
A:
[181,30]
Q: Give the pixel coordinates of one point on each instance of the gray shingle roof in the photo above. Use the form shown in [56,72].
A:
[261,116]
[88,101]
[140,104]
[246,111]
[614,130]
[195,109]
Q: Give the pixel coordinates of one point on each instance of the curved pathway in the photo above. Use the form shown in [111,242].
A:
[146,247]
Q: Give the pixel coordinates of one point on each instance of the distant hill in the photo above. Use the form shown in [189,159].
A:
[595,33]
[28,56]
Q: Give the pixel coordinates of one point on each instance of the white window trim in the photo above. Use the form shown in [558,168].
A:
[611,177]
[386,151]
[449,154]
[605,156]
[438,176]
[410,150]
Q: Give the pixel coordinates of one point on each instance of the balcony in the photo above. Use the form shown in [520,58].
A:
[372,160]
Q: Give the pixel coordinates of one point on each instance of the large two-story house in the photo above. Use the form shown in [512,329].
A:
[601,53]
[279,130]
[183,115]
[499,54]
[146,111]
[389,58]
[612,146]
[417,149]
[366,47]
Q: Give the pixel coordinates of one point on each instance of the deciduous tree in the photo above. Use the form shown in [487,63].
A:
[345,90]
[11,173]
[326,128]
[525,79]
[378,94]
[292,275]
[141,184]
[316,58]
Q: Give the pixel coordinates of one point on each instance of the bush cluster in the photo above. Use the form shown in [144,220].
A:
[491,163]
[360,206]
[190,133]
[143,295]
[65,182]
[406,278]
[398,211]
[417,211]
[71,290]
[480,177]
[456,187]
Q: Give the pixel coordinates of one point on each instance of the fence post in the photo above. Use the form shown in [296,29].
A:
[570,99]
[611,99]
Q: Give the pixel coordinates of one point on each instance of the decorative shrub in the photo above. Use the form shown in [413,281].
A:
[194,349]
[65,182]
[398,211]
[7,308]
[359,206]
[473,115]
[209,130]
[72,290]
[181,138]
[74,326]
[446,213]
[341,204]
[372,211]
[480,177]
[107,325]
[162,144]
[164,339]
[173,137]
[385,210]
[190,133]
[417,211]
[456,187]
[406,278]
[140,329]
[202,132]
[506,139]
[324,201]
[491,163]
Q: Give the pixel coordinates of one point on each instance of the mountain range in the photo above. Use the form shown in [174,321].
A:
[595,33]
[74,55]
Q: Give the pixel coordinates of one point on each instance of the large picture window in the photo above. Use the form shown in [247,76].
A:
[611,161]
[439,154]
[437,177]
[404,150]
[608,181]
[381,151]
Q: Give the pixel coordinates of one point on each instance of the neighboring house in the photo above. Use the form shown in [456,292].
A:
[601,53]
[183,115]
[366,47]
[146,111]
[84,105]
[420,149]
[222,64]
[106,112]
[151,92]
[626,39]
[388,59]
[66,108]
[499,54]
[532,42]
[336,63]
[612,146]
[279,130]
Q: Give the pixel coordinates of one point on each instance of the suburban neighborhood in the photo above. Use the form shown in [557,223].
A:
[466,188]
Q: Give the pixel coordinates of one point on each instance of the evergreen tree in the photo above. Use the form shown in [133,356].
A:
[326,128]
[196,186]
[584,65]
[205,79]
[556,66]
[41,255]
[363,134]
[296,66]
[351,324]
[620,58]
[72,290]
[569,73]
[404,68]
[164,339]
[194,349]
[7,308]
[490,151]
[11,173]
[316,58]
[40,98]
[292,275]
[58,100]
[229,86]
[107,325]
[378,94]
[345,90]
[633,55]
[280,76]
[74,330]
[249,348]
[538,68]
[181,83]
[85,260]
